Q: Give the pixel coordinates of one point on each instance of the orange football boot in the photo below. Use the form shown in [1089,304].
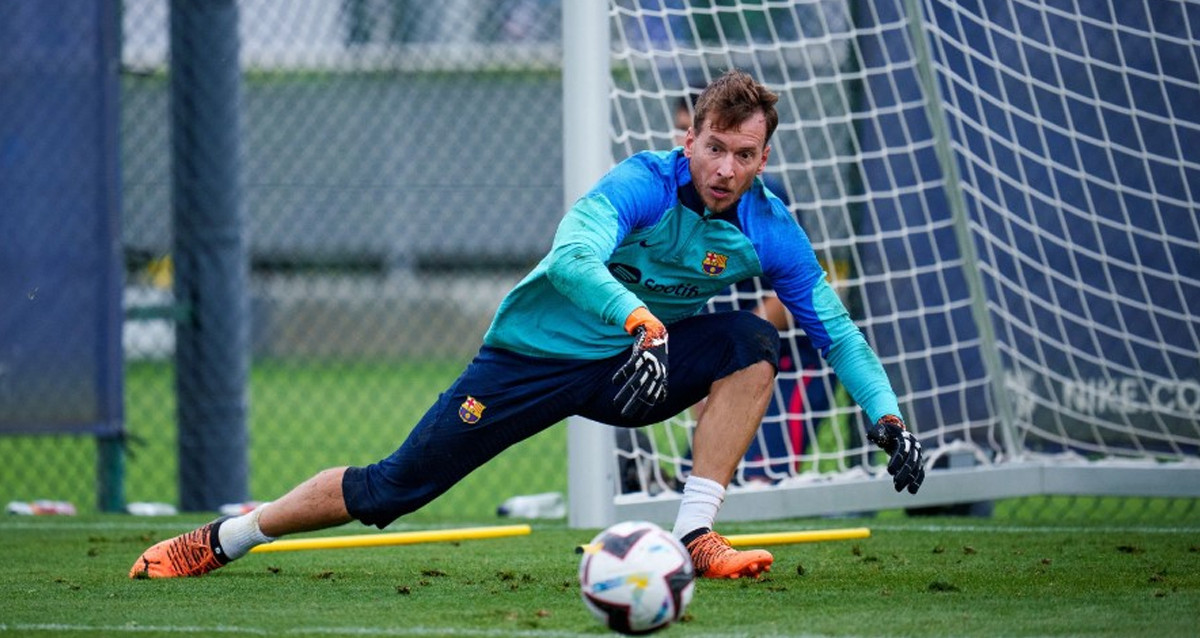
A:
[714,558]
[192,554]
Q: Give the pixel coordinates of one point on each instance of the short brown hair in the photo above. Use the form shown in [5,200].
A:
[734,98]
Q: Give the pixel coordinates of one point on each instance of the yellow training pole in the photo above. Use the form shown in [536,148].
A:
[397,538]
[809,536]
[777,538]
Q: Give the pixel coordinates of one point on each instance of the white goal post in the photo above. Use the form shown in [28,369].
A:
[1005,194]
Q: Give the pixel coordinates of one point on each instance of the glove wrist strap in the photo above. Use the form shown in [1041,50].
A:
[639,317]
[891,419]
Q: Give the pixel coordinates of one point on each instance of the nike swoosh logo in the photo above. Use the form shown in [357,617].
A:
[645,244]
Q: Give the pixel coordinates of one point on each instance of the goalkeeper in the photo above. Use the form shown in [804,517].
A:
[636,257]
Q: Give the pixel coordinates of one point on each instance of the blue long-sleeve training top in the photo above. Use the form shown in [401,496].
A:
[642,236]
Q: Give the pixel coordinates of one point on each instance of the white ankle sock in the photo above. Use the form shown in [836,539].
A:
[701,499]
[240,534]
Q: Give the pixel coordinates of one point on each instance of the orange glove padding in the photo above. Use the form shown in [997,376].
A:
[641,316]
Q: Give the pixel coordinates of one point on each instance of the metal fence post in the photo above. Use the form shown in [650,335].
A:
[211,266]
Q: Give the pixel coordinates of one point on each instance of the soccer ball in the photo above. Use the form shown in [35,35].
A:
[636,578]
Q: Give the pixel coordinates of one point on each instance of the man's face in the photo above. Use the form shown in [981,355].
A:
[725,162]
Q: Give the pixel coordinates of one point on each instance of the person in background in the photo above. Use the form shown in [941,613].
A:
[609,326]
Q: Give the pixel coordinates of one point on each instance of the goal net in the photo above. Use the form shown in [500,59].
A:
[1004,194]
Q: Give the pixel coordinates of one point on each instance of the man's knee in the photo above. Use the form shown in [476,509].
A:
[380,493]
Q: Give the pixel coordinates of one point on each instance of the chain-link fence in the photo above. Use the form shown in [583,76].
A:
[400,170]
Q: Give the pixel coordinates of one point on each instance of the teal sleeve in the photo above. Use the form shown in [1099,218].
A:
[792,266]
[852,359]
[576,268]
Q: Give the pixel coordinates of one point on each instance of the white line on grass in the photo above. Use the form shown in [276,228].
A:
[116,629]
[532,633]
[142,524]
[331,631]
[166,527]
[975,529]
[999,527]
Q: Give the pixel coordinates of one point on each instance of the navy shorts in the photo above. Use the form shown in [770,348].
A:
[504,397]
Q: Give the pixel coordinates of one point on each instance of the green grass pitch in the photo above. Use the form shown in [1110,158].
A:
[919,577]
[1046,566]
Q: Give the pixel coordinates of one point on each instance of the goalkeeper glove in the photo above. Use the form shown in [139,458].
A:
[904,449]
[644,376]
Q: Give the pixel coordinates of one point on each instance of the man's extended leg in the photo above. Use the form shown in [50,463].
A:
[515,397]
[731,417]
[314,504]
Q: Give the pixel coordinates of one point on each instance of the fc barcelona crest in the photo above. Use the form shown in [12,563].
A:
[471,411]
[714,263]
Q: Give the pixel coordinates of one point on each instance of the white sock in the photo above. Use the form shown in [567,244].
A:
[240,534]
[701,499]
